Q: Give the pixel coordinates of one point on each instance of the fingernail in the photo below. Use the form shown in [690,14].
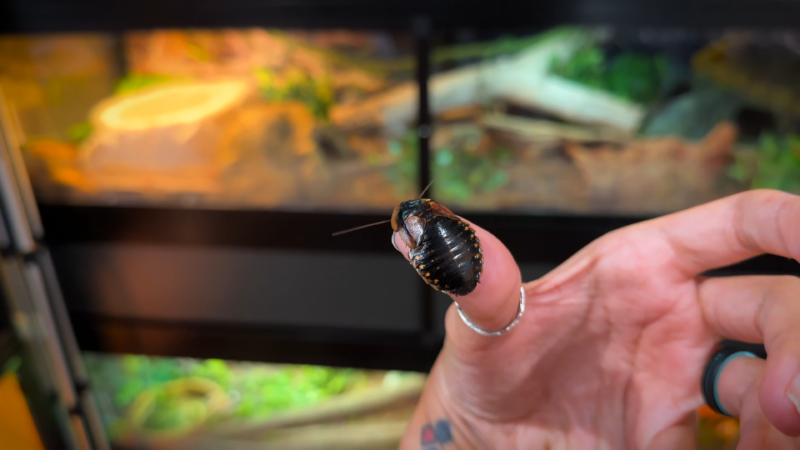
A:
[794,393]
[394,243]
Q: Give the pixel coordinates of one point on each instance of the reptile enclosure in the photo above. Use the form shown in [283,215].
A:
[254,273]
[190,160]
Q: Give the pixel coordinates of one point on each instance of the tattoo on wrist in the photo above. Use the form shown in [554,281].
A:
[436,435]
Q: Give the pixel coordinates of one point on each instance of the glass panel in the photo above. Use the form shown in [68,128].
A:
[216,404]
[225,118]
[613,122]
[228,404]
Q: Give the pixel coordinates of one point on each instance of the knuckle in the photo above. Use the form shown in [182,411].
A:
[766,195]
[779,304]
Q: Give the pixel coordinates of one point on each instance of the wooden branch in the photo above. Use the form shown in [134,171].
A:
[548,132]
[383,435]
[523,79]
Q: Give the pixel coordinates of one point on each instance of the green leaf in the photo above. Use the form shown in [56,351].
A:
[777,164]
[630,76]
[80,132]
[135,82]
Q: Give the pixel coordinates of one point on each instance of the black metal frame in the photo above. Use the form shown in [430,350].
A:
[548,240]
[9,346]
[102,15]
[39,401]
[372,349]
[9,342]
[532,238]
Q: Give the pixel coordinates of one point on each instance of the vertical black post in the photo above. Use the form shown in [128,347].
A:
[422,32]
[40,402]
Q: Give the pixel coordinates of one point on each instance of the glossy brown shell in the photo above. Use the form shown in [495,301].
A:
[444,250]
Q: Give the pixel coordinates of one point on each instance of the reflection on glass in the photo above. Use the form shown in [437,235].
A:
[601,121]
[233,118]
[219,404]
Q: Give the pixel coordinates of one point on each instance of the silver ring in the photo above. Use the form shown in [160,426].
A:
[520,311]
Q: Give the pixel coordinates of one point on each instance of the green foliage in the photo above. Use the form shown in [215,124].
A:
[135,82]
[775,166]
[142,372]
[264,392]
[171,413]
[80,132]
[256,391]
[318,94]
[215,370]
[458,173]
[12,365]
[404,174]
[633,77]
[461,173]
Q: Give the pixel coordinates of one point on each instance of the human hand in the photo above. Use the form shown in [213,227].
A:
[610,351]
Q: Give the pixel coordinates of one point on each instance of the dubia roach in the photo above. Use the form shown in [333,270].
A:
[444,250]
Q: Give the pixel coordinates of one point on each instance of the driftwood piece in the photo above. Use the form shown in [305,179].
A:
[460,114]
[392,110]
[654,175]
[523,79]
[548,132]
[384,435]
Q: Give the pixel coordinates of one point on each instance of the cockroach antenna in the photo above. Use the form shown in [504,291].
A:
[362,226]
[381,222]
[426,189]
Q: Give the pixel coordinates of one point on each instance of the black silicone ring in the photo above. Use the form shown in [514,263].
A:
[717,362]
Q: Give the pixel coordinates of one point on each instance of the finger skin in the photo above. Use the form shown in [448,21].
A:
[738,378]
[494,302]
[738,390]
[732,229]
[726,232]
[781,370]
[679,436]
[761,309]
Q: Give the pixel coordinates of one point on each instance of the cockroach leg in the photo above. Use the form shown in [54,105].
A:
[415,226]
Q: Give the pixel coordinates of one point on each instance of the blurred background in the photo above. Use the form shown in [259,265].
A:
[171,174]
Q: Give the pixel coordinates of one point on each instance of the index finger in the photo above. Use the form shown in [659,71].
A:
[733,229]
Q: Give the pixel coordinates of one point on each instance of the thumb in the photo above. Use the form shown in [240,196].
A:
[494,303]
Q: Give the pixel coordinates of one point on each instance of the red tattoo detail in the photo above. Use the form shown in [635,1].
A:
[428,435]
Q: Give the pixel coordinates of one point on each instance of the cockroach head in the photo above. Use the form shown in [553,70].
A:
[405,209]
